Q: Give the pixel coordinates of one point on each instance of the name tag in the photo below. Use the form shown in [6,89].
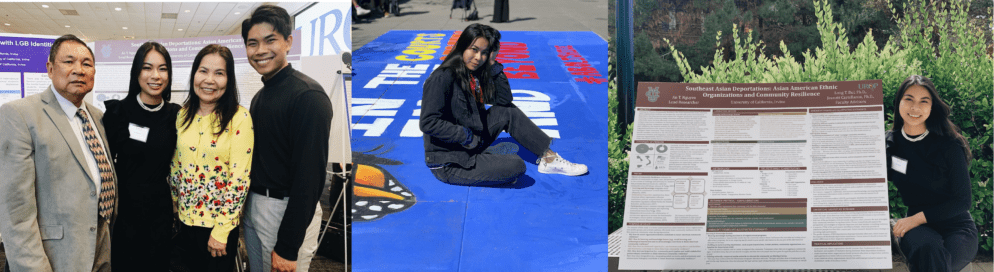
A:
[899,164]
[139,133]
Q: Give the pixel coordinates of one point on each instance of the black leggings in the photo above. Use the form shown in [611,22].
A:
[494,169]
[947,247]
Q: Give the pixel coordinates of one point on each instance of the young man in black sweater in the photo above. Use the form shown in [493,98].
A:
[292,118]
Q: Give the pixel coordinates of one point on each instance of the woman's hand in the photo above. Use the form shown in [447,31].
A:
[903,225]
[215,248]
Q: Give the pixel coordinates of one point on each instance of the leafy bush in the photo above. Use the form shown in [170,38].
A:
[935,41]
[953,52]
[617,153]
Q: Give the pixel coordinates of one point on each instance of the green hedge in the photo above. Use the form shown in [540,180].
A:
[936,41]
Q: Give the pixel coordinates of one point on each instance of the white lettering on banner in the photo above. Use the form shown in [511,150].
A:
[374,129]
[394,71]
[375,106]
[535,105]
[417,112]
[411,129]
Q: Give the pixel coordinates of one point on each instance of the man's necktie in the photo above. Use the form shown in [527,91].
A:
[107,190]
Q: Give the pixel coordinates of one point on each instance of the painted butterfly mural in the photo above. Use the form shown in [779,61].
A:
[377,193]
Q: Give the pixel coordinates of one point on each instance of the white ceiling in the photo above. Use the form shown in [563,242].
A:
[100,21]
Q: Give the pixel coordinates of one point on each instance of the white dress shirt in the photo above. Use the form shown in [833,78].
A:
[77,129]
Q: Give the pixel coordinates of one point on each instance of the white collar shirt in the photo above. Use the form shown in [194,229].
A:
[77,129]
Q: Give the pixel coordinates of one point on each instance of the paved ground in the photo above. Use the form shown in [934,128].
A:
[560,15]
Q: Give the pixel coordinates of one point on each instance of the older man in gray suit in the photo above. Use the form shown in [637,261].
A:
[57,183]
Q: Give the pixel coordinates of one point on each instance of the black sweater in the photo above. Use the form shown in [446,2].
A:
[450,117]
[142,167]
[936,181]
[292,119]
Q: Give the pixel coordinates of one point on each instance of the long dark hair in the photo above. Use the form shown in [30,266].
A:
[136,68]
[455,61]
[227,105]
[938,119]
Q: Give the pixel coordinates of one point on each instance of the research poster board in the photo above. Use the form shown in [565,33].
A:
[757,176]
[114,58]
[22,65]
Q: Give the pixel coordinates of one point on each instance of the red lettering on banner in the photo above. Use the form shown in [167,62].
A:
[522,75]
[591,80]
[502,55]
[522,72]
[578,66]
[507,61]
[516,53]
[520,68]
[450,44]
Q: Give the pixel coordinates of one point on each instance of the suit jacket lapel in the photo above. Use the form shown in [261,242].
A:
[58,117]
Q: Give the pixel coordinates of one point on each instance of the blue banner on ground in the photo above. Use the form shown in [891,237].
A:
[407,220]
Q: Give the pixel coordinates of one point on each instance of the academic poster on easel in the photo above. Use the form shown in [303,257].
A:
[761,175]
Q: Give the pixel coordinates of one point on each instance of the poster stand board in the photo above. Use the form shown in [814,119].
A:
[757,176]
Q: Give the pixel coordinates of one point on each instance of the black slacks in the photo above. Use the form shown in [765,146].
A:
[494,169]
[193,243]
[142,243]
[946,247]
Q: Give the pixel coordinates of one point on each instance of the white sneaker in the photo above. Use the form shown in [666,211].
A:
[361,11]
[561,166]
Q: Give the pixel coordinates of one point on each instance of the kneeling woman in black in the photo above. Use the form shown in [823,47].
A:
[458,127]
[141,133]
[927,160]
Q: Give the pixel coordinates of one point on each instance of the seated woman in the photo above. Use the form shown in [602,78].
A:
[210,171]
[141,134]
[458,127]
[927,160]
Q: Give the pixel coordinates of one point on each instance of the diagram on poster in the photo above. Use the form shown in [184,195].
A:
[750,176]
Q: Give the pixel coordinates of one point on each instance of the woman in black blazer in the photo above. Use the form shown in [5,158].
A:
[458,127]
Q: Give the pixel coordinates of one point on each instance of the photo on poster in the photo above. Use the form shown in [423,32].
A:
[741,101]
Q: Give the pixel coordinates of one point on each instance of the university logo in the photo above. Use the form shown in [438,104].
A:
[652,94]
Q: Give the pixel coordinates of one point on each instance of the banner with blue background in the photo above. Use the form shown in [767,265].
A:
[407,220]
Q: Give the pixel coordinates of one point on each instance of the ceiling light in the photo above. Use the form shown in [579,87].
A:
[124,27]
[180,29]
[67,25]
[186,11]
[117,9]
[6,24]
[44,6]
[236,13]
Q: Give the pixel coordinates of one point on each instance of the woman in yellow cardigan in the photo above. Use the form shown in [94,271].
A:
[210,169]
